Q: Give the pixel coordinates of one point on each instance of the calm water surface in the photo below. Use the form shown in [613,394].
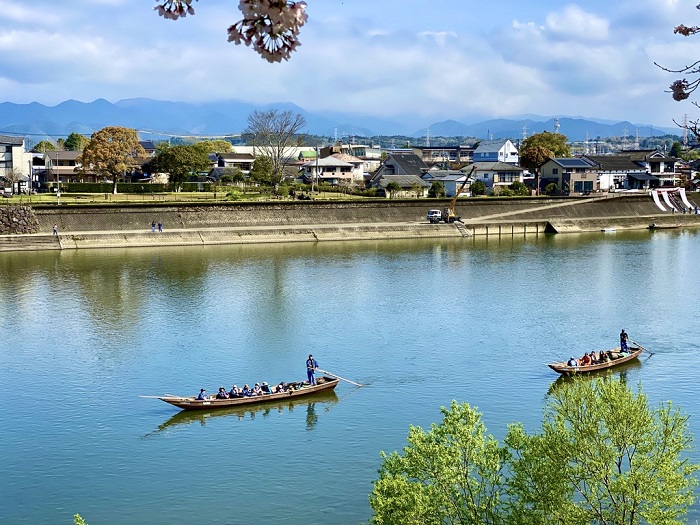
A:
[83,334]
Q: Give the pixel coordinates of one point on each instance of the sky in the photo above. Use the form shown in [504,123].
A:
[440,59]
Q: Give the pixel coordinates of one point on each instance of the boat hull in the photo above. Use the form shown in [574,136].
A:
[565,369]
[324,384]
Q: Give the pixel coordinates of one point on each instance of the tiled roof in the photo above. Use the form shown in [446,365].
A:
[614,163]
[410,163]
[16,141]
[327,161]
[347,158]
[405,181]
[495,166]
[490,146]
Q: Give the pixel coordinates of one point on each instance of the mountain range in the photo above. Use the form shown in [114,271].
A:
[157,119]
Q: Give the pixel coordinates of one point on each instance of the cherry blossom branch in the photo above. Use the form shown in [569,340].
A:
[270,27]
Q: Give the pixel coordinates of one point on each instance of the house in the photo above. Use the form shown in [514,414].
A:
[496,151]
[446,155]
[452,180]
[620,172]
[496,175]
[403,163]
[656,163]
[571,174]
[410,185]
[329,170]
[15,162]
[61,165]
[358,169]
[242,161]
[149,147]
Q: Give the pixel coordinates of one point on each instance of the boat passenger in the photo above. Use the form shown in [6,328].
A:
[595,358]
[234,392]
[603,357]
[265,388]
[202,395]
[282,387]
[221,394]
[246,391]
[623,341]
[257,391]
[585,360]
[572,361]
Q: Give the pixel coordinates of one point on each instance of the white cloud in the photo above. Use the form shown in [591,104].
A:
[573,22]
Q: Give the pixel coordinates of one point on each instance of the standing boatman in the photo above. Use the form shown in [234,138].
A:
[311,366]
[623,341]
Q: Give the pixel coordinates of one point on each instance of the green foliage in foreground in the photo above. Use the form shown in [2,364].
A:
[79,520]
[603,456]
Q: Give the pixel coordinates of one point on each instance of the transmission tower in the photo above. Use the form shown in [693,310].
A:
[556,125]
[685,131]
[427,138]
[524,131]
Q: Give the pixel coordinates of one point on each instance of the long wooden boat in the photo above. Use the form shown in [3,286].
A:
[323,384]
[618,359]
[654,226]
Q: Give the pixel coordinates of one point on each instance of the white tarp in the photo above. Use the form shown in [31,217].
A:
[685,199]
[667,200]
[655,196]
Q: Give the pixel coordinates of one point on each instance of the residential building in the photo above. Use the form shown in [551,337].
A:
[576,175]
[496,175]
[61,165]
[329,170]
[401,164]
[445,155]
[411,185]
[452,180]
[502,150]
[15,161]
[242,161]
[620,172]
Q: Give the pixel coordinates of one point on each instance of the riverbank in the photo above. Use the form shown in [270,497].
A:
[112,226]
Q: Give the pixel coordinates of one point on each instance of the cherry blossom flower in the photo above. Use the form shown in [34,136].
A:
[270,27]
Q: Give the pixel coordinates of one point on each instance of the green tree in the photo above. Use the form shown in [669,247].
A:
[392,188]
[416,189]
[437,189]
[554,142]
[111,152]
[78,520]
[451,474]
[180,162]
[215,146]
[603,456]
[273,133]
[76,142]
[478,187]
[676,149]
[261,170]
[520,189]
[43,146]
[552,189]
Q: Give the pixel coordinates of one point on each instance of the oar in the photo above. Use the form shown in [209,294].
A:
[342,378]
[640,346]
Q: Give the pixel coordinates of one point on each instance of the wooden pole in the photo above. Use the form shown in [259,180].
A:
[342,378]
[640,346]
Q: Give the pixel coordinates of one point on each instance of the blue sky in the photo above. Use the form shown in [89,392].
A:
[437,59]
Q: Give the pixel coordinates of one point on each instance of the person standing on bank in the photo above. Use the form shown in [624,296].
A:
[55,229]
[311,366]
[623,341]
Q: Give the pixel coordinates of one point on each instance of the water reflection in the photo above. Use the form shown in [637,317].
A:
[622,371]
[322,401]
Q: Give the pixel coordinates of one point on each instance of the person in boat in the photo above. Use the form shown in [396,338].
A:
[234,392]
[246,391]
[282,387]
[257,390]
[202,395]
[595,358]
[265,388]
[585,360]
[221,394]
[623,341]
[311,366]
[572,361]
[603,357]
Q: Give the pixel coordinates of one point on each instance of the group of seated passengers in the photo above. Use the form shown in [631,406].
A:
[258,390]
[594,358]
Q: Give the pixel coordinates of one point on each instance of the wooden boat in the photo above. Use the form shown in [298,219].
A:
[618,359]
[323,384]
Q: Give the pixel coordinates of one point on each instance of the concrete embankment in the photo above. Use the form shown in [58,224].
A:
[103,226]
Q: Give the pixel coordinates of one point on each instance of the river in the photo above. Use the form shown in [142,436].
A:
[420,323]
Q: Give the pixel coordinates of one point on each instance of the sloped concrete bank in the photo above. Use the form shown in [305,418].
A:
[265,222]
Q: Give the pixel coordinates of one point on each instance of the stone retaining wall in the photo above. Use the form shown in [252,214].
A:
[18,220]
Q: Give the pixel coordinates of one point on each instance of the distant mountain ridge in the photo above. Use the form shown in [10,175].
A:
[160,119]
